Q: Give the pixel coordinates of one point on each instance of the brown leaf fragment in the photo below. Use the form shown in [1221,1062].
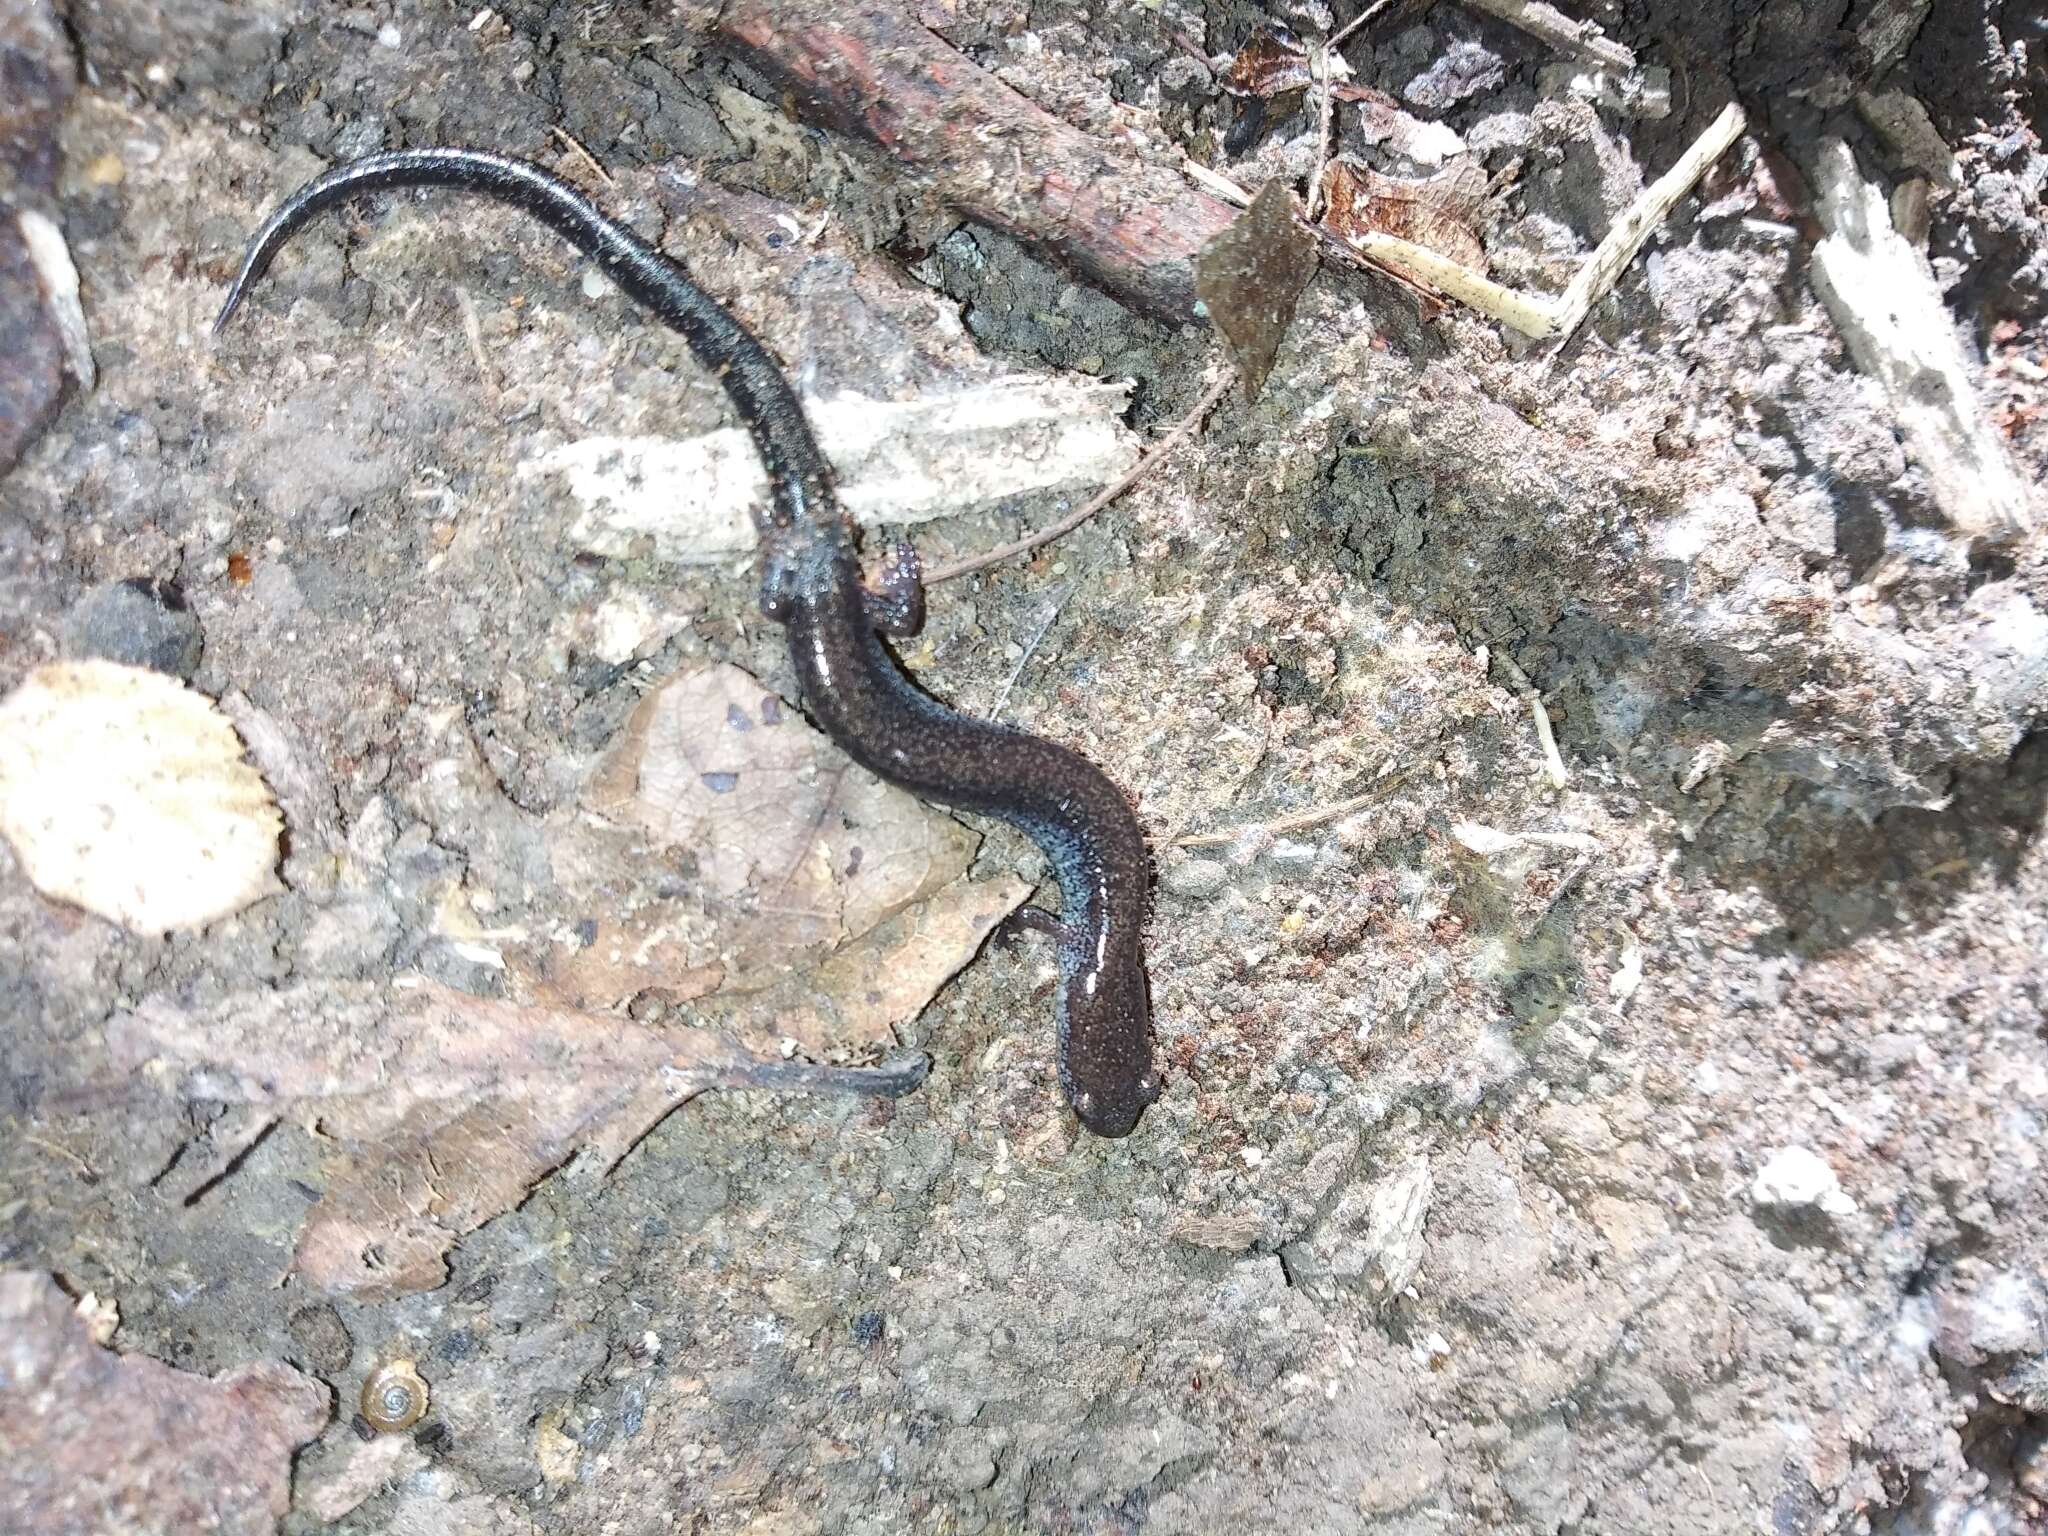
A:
[620,958]
[1272,63]
[745,970]
[531,1088]
[1273,67]
[1432,211]
[98,1441]
[1251,277]
[1269,64]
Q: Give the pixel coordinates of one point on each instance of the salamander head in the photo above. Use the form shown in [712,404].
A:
[1106,1049]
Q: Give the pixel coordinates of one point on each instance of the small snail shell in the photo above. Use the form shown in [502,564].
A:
[394,1397]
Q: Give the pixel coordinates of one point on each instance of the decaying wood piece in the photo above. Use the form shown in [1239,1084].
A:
[872,72]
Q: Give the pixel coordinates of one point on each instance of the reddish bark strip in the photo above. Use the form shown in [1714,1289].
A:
[867,70]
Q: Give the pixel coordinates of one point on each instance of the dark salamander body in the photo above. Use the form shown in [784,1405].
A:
[851,685]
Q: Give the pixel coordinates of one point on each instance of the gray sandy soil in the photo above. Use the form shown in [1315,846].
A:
[1466,1204]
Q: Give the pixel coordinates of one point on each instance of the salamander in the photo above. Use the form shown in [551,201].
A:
[850,682]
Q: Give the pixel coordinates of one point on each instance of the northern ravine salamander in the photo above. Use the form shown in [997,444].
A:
[851,684]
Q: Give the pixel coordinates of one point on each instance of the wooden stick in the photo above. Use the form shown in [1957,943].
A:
[1559,30]
[871,71]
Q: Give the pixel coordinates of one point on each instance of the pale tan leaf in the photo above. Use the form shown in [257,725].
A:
[715,763]
[125,792]
[866,989]
[440,1110]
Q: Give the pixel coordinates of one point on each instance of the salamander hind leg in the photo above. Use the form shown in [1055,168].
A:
[895,603]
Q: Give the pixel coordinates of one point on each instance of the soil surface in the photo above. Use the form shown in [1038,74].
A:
[1658,1150]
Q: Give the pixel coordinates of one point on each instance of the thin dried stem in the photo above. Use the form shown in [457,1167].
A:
[1094,504]
[1325,102]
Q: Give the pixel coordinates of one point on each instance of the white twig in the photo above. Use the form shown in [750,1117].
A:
[1559,30]
[1623,241]
[1532,314]
[1529,313]
[1546,738]
[1535,315]
[1217,183]
[1891,314]
[1319,66]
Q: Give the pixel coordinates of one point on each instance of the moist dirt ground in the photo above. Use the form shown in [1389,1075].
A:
[1646,1138]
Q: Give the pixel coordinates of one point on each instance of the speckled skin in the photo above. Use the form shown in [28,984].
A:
[851,685]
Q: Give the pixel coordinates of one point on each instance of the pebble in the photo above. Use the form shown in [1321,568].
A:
[141,622]
[322,1338]
[1291,857]
[1797,1177]
[1195,877]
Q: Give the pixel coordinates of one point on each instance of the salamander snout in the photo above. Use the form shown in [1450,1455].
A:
[1113,1111]
[1106,1061]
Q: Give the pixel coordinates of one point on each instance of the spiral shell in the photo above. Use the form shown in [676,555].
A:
[394,1397]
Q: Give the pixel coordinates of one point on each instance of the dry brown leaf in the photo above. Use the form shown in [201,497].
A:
[661,951]
[1432,211]
[1251,276]
[125,792]
[98,1441]
[749,971]
[441,1109]
[714,763]
[1269,64]
[806,901]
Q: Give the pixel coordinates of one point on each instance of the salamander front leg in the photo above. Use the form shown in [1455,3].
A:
[778,587]
[895,603]
[1009,933]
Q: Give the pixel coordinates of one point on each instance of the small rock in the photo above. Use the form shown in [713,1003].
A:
[350,937]
[1464,69]
[1195,878]
[1632,93]
[1796,1177]
[1804,521]
[1372,1238]
[965,1466]
[141,622]
[1291,857]
[2005,1314]
[323,1338]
